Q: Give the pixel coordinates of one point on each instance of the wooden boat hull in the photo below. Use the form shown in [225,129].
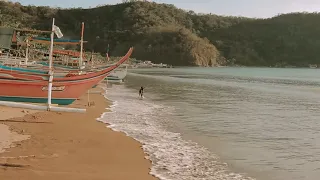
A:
[63,93]
[113,79]
[117,75]
[32,74]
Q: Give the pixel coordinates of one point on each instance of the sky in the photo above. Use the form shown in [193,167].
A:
[247,8]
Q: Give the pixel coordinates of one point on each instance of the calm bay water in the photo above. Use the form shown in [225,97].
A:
[223,123]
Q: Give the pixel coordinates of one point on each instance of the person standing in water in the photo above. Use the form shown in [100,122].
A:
[141,92]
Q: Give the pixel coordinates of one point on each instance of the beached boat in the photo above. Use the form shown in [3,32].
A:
[34,74]
[23,87]
[117,75]
[63,93]
[36,86]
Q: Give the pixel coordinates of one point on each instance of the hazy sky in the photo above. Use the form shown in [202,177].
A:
[249,8]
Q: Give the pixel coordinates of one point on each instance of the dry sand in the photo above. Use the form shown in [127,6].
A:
[72,146]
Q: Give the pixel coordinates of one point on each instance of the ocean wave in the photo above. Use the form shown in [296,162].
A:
[172,157]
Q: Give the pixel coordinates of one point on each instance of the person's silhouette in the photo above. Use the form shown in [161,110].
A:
[141,92]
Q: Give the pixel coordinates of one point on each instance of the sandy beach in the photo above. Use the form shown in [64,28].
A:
[7,136]
[68,146]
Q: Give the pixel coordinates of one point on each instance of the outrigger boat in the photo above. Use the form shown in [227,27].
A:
[117,75]
[36,86]
[34,74]
[63,93]
[39,71]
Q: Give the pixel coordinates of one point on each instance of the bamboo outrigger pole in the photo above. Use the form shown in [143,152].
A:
[50,67]
[49,108]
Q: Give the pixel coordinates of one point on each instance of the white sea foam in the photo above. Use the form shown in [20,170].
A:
[171,156]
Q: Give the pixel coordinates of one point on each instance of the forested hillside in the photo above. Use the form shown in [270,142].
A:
[164,33]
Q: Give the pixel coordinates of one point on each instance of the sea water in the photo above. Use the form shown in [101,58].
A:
[223,123]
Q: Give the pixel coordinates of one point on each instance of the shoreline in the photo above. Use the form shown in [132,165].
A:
[73,146]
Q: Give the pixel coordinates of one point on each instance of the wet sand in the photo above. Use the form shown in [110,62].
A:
[72,146]
[7,137]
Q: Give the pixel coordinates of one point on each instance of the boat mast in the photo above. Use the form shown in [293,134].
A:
[81,45]
[50,67]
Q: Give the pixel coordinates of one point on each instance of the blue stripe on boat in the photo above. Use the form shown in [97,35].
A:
[37,100]
[23,69]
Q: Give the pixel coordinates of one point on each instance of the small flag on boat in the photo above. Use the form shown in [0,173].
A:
[57,31]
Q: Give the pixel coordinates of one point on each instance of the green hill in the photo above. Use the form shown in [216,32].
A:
[164,33]
[290,39]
